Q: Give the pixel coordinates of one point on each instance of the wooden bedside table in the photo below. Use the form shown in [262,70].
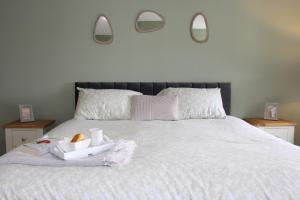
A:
[17,133]
[281,128]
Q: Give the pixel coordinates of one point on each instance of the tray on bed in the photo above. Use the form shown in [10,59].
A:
[82,153]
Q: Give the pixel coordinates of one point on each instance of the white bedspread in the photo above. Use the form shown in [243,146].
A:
[190,159]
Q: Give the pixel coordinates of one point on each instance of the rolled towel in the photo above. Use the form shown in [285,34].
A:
[121,154]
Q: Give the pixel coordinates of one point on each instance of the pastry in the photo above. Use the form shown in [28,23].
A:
[78,137]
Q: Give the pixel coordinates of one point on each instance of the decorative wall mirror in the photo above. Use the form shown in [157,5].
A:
[199,28]
[149,21]
[103,33]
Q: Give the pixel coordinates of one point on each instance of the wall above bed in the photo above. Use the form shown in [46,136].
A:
[46,46]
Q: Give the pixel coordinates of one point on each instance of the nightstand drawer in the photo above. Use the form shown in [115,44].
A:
[285,133]
[278,132]
[281,128]
[23,136]
[17,133]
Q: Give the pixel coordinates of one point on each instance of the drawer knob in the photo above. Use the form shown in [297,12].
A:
[23,140]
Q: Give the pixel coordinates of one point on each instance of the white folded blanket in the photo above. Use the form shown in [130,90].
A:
[120,154]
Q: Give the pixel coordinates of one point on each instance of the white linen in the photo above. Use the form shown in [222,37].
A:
[198,103]
[209,159]
[104,104]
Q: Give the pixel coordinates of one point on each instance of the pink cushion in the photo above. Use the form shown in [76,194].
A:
[144,107]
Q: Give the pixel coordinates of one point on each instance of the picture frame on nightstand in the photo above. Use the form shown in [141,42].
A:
[271,111]
[26,113]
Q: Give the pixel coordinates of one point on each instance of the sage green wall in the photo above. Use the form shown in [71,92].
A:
[46,45]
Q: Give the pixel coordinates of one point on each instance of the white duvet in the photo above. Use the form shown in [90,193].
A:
[189,159]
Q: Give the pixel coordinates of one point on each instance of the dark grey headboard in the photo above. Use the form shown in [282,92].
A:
[152,88]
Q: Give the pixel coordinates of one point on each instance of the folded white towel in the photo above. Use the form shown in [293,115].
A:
[36,149]
[120,154]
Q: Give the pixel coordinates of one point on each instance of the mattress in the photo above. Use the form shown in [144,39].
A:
[187,159]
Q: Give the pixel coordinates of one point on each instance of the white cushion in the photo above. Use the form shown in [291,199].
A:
[197,102]
[104,104]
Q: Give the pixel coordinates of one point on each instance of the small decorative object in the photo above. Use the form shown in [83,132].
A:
[271,111]
[26,113]
[103,33]
[43,142]
[199,28]
[149,21]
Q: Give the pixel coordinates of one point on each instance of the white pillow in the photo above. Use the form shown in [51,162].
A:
[104,104]
[196,103]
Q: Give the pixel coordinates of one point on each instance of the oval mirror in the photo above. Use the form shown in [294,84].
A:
[148,21]
[199,28]
[103,32]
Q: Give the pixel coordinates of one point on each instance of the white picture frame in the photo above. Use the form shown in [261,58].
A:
[271,111]
[26,113]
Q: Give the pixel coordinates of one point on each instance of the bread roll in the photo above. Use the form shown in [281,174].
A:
[78,137]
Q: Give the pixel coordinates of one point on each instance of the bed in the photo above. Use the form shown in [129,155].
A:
[185,159]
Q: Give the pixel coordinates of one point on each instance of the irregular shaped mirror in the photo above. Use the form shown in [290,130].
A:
[103,32]
[148,21]
[199,28]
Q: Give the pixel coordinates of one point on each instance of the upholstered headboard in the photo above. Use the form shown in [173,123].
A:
[152,88]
